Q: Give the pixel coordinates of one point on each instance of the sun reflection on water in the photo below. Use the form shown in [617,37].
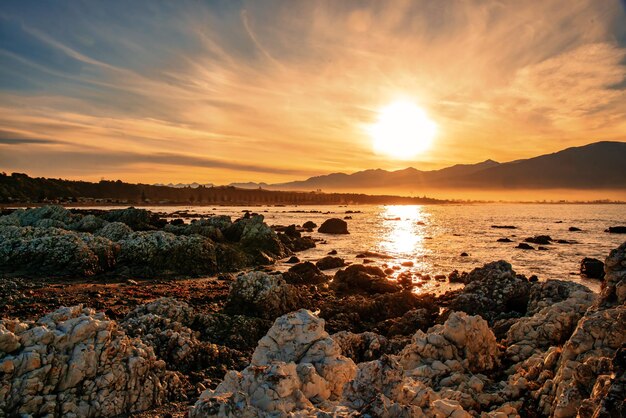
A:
[403,231]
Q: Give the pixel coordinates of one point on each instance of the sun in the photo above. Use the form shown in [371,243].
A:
[402,131]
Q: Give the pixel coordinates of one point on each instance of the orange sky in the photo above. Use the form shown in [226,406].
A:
[277,91]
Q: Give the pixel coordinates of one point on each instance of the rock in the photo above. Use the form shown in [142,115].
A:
[42,217]
[305,273]
[334,226]
[574,229]
[504,240]
[524,246]
[262,295]
[330,262]
[540,239]
[296,367]
[366,346]
[616,230]
[504,226]
[88,223]
[293,260]
[136,219]
[407,264]
[115,231]
[332,252]
[54,252]
[309,225]
[493,291]
[592,268]
[147,253]
[614,285]
[373,254]
[75,362]
[359,278]
[464,254]
[550,326]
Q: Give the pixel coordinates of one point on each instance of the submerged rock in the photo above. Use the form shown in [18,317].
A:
[616,230]
[334,226]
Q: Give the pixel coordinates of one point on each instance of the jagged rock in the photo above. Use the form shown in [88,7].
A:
[88,223]
[614,285]
[296,367]
[466,339]
[74,362]
[329,262]
[115,231]
[54,252]
[366,346]
[136,219]
[493,291]
[158,252]
[164,326]
[359,278]
[43,217]
[263,295]
[204,227]
[333,226]
[550,326]
[255,236]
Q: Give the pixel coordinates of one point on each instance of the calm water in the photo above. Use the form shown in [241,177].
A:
[433,237]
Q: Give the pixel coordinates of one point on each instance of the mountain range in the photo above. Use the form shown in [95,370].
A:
[600,165]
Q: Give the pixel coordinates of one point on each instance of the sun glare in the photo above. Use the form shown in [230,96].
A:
[402,131]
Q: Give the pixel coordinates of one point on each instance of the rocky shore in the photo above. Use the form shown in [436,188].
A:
[113,335]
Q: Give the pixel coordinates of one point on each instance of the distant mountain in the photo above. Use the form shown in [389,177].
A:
[601,165]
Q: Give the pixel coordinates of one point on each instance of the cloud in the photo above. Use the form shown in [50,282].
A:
[22,141]
[291,84]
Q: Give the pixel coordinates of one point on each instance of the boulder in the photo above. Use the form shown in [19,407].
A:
[592,268]
[136,219]
[262,295]
[305,273]
[334,226]
[329,262]
[359,278]
[493,291]
[524,246]
[616,230]
[309,225]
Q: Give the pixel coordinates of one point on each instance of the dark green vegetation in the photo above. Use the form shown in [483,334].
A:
[20,188]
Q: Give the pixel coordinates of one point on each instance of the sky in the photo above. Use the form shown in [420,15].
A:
[231,91]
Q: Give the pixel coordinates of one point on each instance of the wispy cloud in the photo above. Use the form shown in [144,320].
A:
[224,89]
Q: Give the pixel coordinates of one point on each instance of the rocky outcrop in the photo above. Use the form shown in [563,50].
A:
[334,226]
[550,326]
[296,368]
[33,250]
[493,291]
[152,252]
[53,241]
[360,278]
[77,363]
[263,295]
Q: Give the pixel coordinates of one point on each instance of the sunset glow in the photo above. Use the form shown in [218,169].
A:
[402,131]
